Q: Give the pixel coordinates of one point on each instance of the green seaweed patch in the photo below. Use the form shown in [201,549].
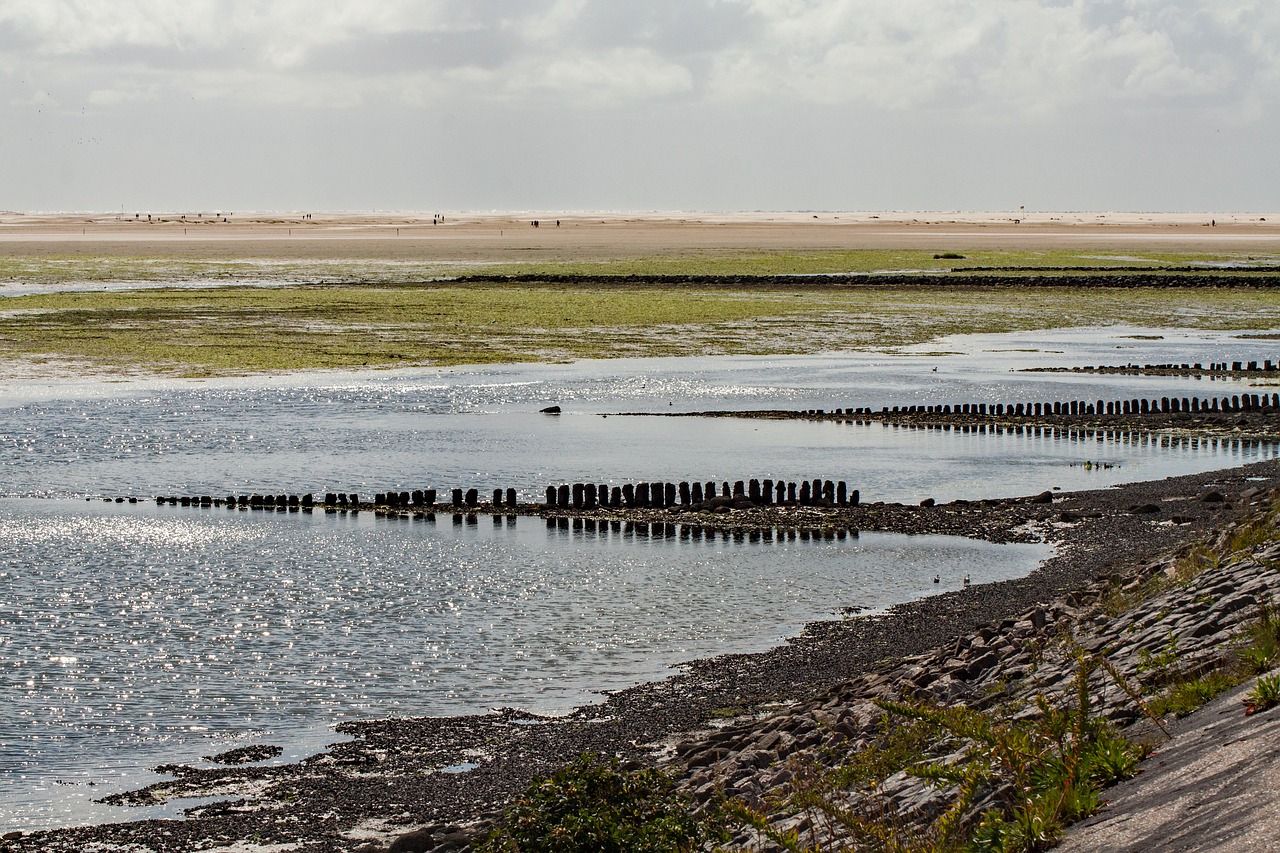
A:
[237,330]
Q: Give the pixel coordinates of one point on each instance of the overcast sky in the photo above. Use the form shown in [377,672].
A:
[639,104]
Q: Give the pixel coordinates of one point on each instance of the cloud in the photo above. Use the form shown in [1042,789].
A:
[692,95]
[1027,56]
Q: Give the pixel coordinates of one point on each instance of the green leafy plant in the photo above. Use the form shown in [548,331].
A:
[1265,694]
[595,806]
[1167,657]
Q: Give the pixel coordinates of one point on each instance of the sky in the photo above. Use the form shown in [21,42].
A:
[651,105]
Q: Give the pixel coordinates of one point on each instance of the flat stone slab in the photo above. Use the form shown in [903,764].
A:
[1212,787]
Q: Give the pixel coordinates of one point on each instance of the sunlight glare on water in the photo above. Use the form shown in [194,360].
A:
[133,635]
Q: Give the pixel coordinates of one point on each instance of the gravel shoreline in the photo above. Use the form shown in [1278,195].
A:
[394,777]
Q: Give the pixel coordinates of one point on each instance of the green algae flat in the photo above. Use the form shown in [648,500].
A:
[241,330]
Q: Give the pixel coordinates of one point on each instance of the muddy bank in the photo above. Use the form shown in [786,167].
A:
[399,775]
[957,278]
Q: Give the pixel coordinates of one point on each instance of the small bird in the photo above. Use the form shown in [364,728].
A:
[937,578]
[966,580]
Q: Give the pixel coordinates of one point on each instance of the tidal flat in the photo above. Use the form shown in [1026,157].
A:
[239,330]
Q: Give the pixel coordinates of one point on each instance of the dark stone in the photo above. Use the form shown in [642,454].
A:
[550,410]
[1045,497]
[246,754]
[927,502]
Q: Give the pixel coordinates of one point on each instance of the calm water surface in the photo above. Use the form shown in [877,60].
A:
[131,635]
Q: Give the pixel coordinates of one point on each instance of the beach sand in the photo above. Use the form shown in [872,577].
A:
[470,238]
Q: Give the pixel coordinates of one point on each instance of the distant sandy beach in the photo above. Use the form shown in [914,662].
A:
[511,237]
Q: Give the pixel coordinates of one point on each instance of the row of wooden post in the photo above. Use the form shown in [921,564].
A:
[1138,405]
[1214,367]
[663,495]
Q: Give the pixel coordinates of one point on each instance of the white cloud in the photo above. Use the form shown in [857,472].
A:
[622,74]
[718,88]
[1022,55]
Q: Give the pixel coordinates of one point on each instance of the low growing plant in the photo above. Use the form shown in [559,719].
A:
[1265,694]
[595,806]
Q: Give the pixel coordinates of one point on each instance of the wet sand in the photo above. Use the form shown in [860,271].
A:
[510,237]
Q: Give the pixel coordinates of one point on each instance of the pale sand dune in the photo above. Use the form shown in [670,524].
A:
[472,237]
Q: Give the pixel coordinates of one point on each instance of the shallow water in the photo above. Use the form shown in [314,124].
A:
[132,635]
[480,428]
[162,630]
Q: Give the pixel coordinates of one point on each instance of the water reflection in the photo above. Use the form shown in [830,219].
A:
[144,632]
[618,530]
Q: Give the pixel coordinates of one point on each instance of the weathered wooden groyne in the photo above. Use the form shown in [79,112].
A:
[1213,368]
[1226,404]
[692,496]
[741,494]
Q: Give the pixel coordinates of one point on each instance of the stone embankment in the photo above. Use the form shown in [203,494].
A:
[1179,616]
